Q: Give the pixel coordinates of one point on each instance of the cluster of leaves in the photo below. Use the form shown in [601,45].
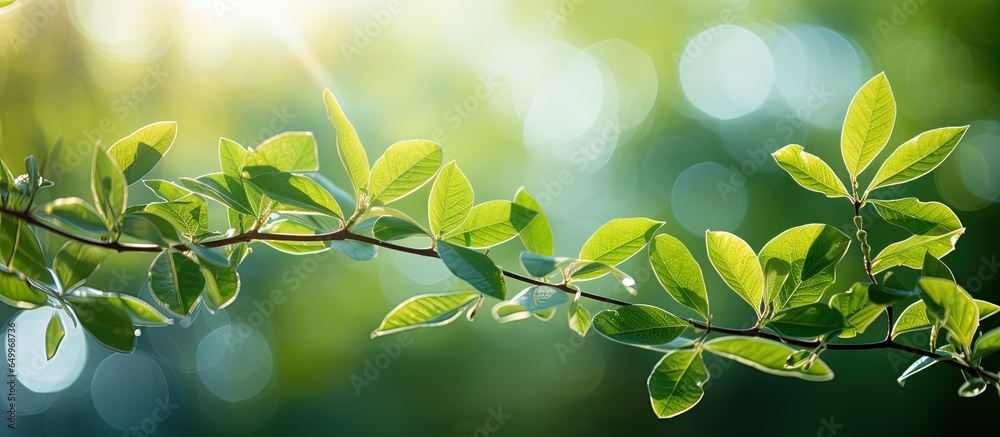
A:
[273,194]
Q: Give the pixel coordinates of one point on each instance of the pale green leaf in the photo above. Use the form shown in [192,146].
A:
[920,218]
[618,240]
[349,147]
[810,171]
[74,213]
[579,317]
[287,227]
[914,317]
[812,253]
[917,157]
[911,251]
[54,334]
[450,200]
[476,269]
[490,224]
[737,265]
[857,309]
[768,356]
[138,153]
[639,325]
[675,385]
[109,189]
[532,300]
[961,312]
[405,167]
[537,236]
[299,191]
[425,311]
[679,273]
[284,152]
[986,345]
[868,124]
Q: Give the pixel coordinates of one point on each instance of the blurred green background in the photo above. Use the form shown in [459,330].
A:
[601,109]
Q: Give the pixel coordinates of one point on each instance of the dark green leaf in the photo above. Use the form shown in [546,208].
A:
[639,325]
[54,334]
[18,293]
[107,323]
[474,268]
[76,262]
[808,321]
[176,282]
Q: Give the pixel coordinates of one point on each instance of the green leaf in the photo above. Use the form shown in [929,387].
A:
[810,171]
[920,218]
[582,270]
[176,282]
[490,224]
[537,236]
[222,284]
[476,269]
[961,311]
[19,248]
[54,334]
[618,240]
[18,293]
[450,200]
[579,317]
[540,266]
[425,311]
[917,157]
[388,228]
[299,191]
[285,152]
[986,345]
[868,124]
[768,356]
[209,255]
[405,167]
[232,156]
[679,273]
[138,311]
[349,147]
[215,187]
[675,385]
[108,185]
[639,325]
[138,153]
[294,247]
[107,323]
[74,213]
[150,227]
[972,387]
[935,268]
[911,251]
[538,300]
[808,321]
[914,317]
[189,214]
[857,308]
[775,275]
[76,262]
[737,265]
[890,291]
[166,190]
[946,353]
[812,253]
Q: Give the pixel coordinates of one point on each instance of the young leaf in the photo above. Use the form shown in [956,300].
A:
[19,248]
[532,300]
[222,284]
[579,317]
[537,236]
[617,241]
[857,309]
[986,345]
[868,124]
[284,152]
[108,185]
[176,281]
[293,247]
[215,186]
[540,266]
[911,251]
[920,218]
[914,317]
[808,321]
[639,325]
[107,323]
[139,152]
[388,228]
[425,311]
[299,191]
[962,313]
[917,157]
[76,262]
[349,147]
[138,311]
[679,273]
[490,224]
[73,213]
[935,268]
[476,269]
[768,356]
[208,255]
[166,190]
[231,158]
[582,270]
[450,200]
[675,385]
[812,253]
[18,293]
[188,214]
[405,167]
[945,353]
[810,171]
[776,273]
[737,265]
[54,334]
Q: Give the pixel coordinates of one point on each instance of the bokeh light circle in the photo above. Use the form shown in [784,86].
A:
[979,158]
[726,71]
[34,370]
[129,389]
[234,362]
[708,196]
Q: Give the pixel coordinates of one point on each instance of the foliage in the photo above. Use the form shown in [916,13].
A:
[273,195]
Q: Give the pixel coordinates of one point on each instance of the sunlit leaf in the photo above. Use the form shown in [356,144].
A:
[76,262]
[986,345]
[54,334]
[425,311]
[857,309]
[349,147]
[639,325]
[914,317]
[675,385]
[810,171]
[618,240]
[808,321]
[137,310]
[176,282]
[405,167]
[20,249]
[18,293]
[531,300]
[388,228]
[284,152]
[917,156]
[490,224]
[74,213]
[961,312]
[868,124]
[450,200]
[293,247]
[297,190]
[737,265]
[811,253]
[537,236]
[911,251]
[106,323]
[109,189]
[579,317]
[768,356]
[138,153]
[920,218]
[215,187]
[679,273]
